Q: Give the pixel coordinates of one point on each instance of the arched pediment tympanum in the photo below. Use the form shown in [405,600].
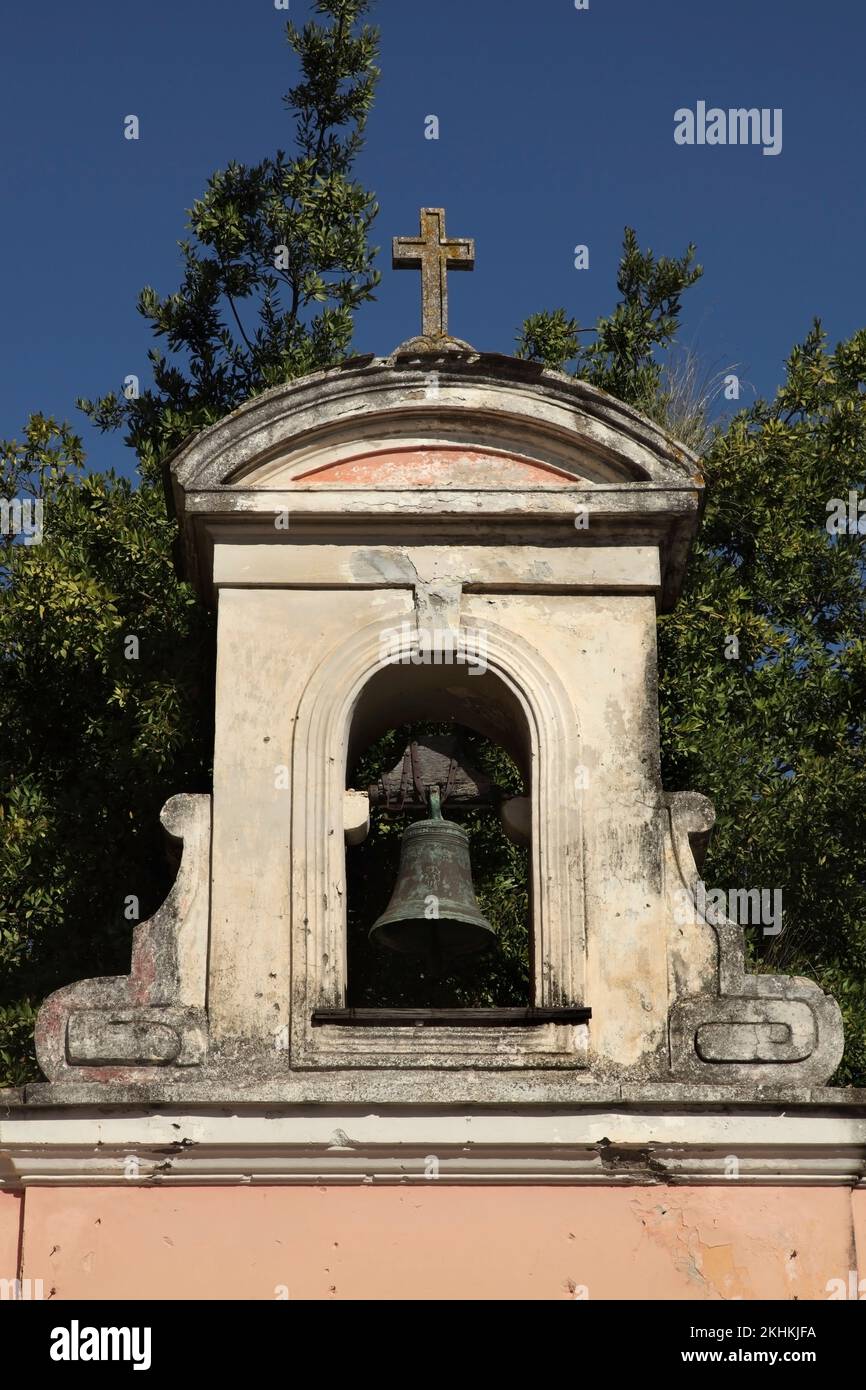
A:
[424,465]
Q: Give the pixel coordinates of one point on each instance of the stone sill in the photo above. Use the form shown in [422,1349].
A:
[648,1138]
[475,1088]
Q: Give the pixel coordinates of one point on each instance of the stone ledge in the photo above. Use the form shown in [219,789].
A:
[466,1090]
[613,1144]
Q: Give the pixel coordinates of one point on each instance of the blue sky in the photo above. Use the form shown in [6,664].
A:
[556,128]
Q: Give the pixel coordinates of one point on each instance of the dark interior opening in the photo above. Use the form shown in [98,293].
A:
[496,978]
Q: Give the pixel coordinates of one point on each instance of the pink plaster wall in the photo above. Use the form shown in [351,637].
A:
[10,1231]
[438,1242]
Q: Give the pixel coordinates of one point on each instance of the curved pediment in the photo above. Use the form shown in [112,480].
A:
[449,447]
[479,422]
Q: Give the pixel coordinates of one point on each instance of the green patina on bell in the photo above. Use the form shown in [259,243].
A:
[433,911]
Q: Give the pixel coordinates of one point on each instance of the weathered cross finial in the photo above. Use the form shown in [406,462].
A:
[434,255]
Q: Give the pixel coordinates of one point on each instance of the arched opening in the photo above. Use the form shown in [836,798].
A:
[476,721]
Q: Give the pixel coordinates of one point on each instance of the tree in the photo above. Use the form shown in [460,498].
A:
[104,706]
[770,725]
[621,358]
[280,259]
[105,656]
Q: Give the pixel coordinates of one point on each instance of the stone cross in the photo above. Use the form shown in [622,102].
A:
[434,255]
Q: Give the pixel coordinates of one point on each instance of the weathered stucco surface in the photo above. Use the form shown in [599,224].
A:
[334,521]
[439,1243]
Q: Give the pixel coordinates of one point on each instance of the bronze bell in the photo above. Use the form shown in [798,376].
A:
[433,912]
